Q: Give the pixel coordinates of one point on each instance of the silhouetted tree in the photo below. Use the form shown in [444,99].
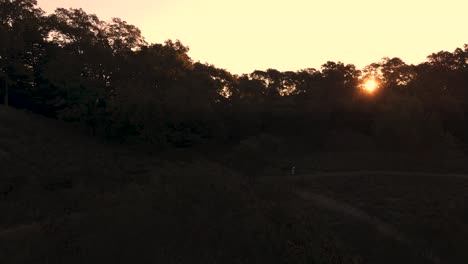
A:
[22,34]
[72,65]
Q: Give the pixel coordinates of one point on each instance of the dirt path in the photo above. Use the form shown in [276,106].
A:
[389,173]
[375,223]
[343,208]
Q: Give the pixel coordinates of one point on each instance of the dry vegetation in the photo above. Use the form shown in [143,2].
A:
[67,198]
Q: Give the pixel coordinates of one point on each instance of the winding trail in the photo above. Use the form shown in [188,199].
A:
[375,223]
[346,209]
[389,173]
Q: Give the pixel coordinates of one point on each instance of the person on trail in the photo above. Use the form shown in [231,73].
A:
[293,170]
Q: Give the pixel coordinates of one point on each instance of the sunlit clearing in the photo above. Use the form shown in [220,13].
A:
[370,85]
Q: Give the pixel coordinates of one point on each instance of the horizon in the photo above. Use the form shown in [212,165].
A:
[241,40]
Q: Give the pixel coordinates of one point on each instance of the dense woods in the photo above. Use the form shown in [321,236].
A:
[73,66]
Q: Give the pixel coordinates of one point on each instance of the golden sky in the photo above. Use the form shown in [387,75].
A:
[244,35]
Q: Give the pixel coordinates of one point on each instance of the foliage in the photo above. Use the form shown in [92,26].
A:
[73,66]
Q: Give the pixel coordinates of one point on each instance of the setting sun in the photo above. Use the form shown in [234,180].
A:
[370,85]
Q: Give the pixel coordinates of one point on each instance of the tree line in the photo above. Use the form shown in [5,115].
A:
[73,66]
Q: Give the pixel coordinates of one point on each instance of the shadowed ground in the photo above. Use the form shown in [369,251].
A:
[67,198]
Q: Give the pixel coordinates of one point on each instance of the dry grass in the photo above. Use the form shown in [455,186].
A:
[68,198]
[428,209]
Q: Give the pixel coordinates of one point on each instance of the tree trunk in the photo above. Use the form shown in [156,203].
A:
[6,93]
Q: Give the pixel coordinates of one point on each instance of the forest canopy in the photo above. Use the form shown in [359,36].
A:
[71,65]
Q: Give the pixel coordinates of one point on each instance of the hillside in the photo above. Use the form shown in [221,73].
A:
[70,198]
[67,198]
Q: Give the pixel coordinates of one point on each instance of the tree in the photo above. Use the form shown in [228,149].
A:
[123,37]
[22,33]
[340,82]
[392,74]
[83,66]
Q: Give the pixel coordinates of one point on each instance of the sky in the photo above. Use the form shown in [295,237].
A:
[246,35]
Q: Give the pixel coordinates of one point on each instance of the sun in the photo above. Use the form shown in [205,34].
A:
[370,85]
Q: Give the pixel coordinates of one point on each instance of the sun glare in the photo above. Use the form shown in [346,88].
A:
[370,85]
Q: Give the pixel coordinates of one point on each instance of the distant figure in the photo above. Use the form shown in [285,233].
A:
[293,170]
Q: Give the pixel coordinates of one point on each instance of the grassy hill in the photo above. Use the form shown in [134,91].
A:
[69,198]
